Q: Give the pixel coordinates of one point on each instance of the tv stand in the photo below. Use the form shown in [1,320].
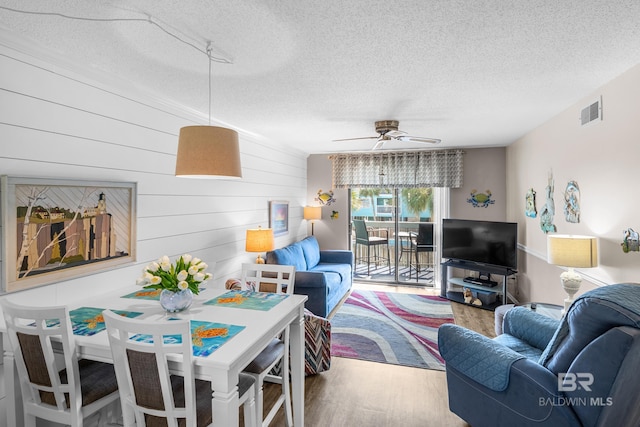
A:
[474,283]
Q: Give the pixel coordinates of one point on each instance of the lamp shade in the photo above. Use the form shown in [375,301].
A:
[572,251]
[259,240]
[312,212]
[208,152]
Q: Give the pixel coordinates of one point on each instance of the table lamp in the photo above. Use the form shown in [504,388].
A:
[259,240]
[312,213]
[572,252]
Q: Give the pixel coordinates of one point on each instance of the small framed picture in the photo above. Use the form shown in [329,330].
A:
[279,217]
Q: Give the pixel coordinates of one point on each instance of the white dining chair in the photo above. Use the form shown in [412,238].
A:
[150,395]
[42,342]
[271,278]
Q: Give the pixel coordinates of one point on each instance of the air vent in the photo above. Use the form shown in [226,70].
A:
[591,113]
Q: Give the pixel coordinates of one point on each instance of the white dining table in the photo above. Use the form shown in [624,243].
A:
[222,367]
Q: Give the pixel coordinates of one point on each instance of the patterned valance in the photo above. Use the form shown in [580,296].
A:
[398,169]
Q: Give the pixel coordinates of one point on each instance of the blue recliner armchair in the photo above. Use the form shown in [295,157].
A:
[583,370]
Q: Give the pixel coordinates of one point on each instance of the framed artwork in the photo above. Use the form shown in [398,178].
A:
[279,217]
[55,229]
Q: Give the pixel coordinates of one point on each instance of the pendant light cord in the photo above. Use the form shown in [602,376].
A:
[148,19]
[209,55]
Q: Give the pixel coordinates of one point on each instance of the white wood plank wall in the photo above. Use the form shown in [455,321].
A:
[58,122]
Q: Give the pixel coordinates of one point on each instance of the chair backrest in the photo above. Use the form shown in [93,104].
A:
[425,236]
[591,315]
[362,235]
[269,277]
[602,325]
[34,333]
[141,350]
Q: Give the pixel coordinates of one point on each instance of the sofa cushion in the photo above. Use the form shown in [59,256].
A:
[311,251]
[333,281]
[289,255]
[342,270]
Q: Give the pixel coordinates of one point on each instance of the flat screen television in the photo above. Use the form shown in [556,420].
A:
[488,243]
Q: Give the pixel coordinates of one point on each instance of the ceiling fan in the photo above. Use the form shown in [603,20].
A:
[388,131]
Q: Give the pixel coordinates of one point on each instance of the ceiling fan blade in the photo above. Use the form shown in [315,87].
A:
[419,139]
[379,144]
[395,134]
[355,139]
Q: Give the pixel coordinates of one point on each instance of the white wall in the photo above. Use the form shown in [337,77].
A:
[484,170]
[58,123]
[331,233]
[604,158]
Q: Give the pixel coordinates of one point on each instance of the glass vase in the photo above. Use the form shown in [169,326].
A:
[173,302]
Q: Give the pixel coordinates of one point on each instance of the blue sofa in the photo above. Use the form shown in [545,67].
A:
[324,276]
[580,371]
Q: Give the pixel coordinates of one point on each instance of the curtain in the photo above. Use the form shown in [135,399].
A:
[398,169]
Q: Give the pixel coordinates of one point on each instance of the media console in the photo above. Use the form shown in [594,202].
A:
[479,284]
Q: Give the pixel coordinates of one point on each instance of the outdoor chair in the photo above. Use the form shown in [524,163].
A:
[367,237]
[421,242]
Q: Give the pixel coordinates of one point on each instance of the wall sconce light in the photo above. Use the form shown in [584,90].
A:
[312,213]
[573,252]
[259,240]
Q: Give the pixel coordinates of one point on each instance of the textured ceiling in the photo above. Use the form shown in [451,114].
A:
[472,73]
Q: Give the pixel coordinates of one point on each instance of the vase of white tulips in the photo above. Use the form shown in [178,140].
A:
[177,281]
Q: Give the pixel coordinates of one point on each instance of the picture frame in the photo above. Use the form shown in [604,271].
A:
[60,229]
[279,217]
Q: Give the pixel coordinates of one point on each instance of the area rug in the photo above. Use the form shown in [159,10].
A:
[388,327]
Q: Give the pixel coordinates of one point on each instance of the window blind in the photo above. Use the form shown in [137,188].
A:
[398,169]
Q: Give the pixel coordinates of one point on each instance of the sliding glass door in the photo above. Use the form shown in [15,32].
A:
[394,234]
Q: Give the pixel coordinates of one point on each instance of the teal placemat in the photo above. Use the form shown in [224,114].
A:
[206,337]
[247,299]
[88,321]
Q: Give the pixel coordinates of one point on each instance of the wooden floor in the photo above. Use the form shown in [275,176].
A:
[360,393]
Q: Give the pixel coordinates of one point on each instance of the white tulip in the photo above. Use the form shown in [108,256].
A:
[202,266]
[182,276]
[193,270]
[186,258]
[183,285]
[196,261]
[155,280]
[199,277]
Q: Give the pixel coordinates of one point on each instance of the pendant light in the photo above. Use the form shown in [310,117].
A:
[208,151]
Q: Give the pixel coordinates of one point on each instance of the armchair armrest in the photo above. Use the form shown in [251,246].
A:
[531,327]
[336,256]
[476,356]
